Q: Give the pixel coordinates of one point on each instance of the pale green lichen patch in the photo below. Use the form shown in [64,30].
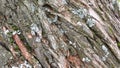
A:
[82,12]
[118,0]
[86,59]
[119,4]
[90,22]
[105,49]
[36,31]
[110,30]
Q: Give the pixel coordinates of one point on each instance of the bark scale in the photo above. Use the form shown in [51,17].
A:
[65,33]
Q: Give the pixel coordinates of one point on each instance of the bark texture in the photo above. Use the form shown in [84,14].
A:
[61,33]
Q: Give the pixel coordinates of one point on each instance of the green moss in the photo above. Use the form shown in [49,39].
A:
[110,30]
[15,27]
[11,40]
[118,44]
[72,50]
[16,48]
[43,32]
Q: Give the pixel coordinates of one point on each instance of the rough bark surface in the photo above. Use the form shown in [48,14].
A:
[61,33]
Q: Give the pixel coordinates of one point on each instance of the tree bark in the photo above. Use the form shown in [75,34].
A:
[62,33]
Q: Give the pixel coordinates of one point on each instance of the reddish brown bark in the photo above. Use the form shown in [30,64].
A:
[22,48]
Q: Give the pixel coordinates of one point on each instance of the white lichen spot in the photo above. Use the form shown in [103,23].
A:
[52,20]
[70,42]
[82,12]
[94,47]
[25,64]
[49,20]
[114,1]
[104,48]
[103,58]
[32,32]
[74,11]
[71,27]
[40,34]
[64,2]
[37,39]
[75,46]
[79,23]
[107,54]
[16,32]
[34,27]
[90,22]
[3,55]
[55,19]
[63,46]
[6,32]
[32,7]
[62,31]
[14,67]
[86,59]
[53,41]
[11,57]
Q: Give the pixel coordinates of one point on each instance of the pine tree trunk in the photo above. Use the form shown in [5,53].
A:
[61,33]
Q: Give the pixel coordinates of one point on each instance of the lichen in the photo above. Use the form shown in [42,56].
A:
[64,2]
[23,65]
[16,32]
[55,19]
[37,39]
[34,27]
[119,4]
[86,59]
[70,42]
[104,48]
[90,22]
[82,12]
[79,23]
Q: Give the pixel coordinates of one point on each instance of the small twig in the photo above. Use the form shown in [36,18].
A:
[22,48]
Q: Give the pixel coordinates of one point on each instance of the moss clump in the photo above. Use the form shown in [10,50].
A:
[16,48]
[118,44]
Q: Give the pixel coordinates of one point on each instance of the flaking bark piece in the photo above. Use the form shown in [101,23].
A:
[23,49]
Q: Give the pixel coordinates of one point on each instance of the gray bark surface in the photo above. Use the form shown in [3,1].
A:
[61,33]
